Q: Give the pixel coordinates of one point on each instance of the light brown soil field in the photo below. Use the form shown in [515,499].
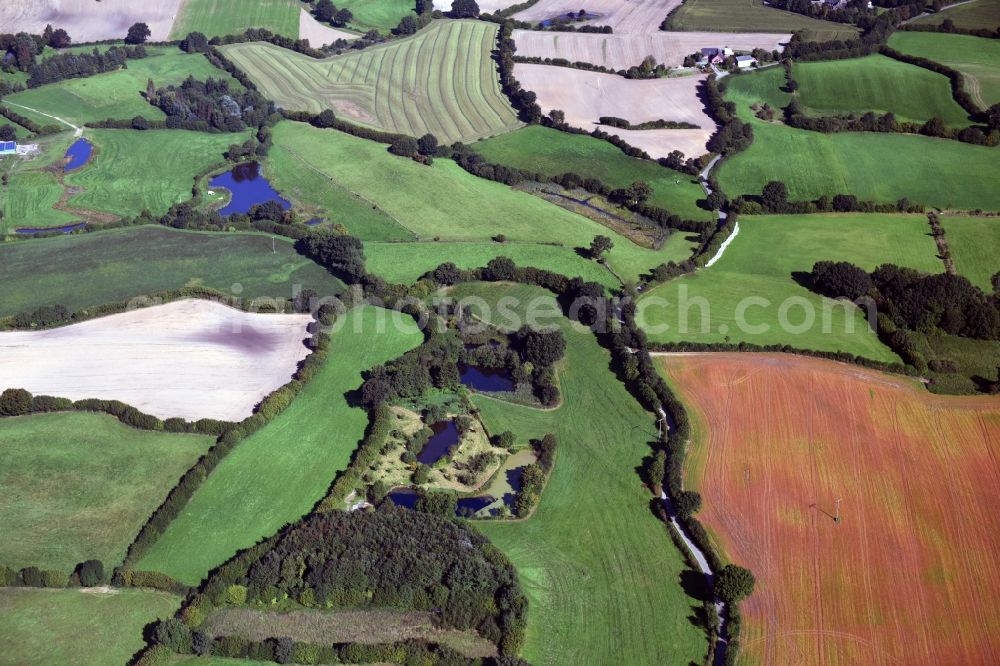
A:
[586,96]
[485,6]
[909,574]
[319,34]
[624,16]
[192,359]
[86,20]
[624,51]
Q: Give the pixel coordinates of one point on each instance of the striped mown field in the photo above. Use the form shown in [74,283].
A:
[441,81]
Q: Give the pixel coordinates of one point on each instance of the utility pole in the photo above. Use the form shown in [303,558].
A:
[836,518]
[273,251]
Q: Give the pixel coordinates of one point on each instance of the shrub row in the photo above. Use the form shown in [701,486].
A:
[887,123]
[948,26]
[963,98]
[621,123]
[28,123]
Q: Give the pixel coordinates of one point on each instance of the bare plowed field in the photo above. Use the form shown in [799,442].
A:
[782,444]
[625,16]
[624,51]
[191,359]
[320,34]
[86,20]
[586,96]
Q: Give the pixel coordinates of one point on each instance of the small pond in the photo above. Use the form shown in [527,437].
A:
[316,220]
[486,379]
[78,154]
[248,186]
[69,228]
[445,436]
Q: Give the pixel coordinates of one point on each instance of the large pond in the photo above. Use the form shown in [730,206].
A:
[486,379]
[445,436]
[68,229]
[248,186]
[78,154]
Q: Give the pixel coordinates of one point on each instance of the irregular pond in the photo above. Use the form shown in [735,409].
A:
[248,187]
[486,379]
[68,229]
[316,220]
[78,153]
[445,436]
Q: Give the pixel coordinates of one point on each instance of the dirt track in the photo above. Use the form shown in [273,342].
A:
[86,20]
[193,359]
[619,51]
[586,96]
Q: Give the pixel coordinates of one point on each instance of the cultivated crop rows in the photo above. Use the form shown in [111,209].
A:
[440,81]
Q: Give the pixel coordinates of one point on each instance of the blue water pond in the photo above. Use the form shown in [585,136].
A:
[249,187]
[78,154]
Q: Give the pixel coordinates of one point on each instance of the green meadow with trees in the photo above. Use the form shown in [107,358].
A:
[263,483]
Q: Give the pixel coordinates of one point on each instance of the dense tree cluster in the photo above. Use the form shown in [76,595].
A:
[326,12]
[211,105]
[77,65]
[388,558]
[340,254]
[913,300]
[733,135]
[734,583]
[621,123]
[20,50]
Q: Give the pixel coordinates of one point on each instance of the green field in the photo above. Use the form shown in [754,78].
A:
[132,171]
[871,166]
[444,201]
[876,83]
[406,262]
[79,486]
[601,574]
[84,270]
[71,627]
[381,15]
[973,242]
[440,80]
[971,16]
[230,17]
[277,475]
[551,152]
[753,16]
[32,188]
[116,94]
[759,264]
[978,59]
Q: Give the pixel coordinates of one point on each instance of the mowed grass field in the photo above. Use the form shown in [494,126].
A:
[753,16]
[32,189]
[752,289]
[972,16]
[441,80]
[551,153]
[779,439]
[978,59]
[277,475]
[117,94]
[84,270]
[461,209]
[132,171]
[381,15]
[602,577]
[876,83]
[229,17]
[79,486]
[973,242]
[40,627]
[871,166]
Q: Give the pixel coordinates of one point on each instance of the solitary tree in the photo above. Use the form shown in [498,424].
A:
[427,144]
[325,11]
[405,146]
[59,39]
[137,34]
[775,195]
[91,573]
[464,9]
[599,246]
[342,18]
[734,583]
[327,118]
[195,42]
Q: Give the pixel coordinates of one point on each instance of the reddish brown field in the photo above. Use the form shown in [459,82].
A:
[909,575]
